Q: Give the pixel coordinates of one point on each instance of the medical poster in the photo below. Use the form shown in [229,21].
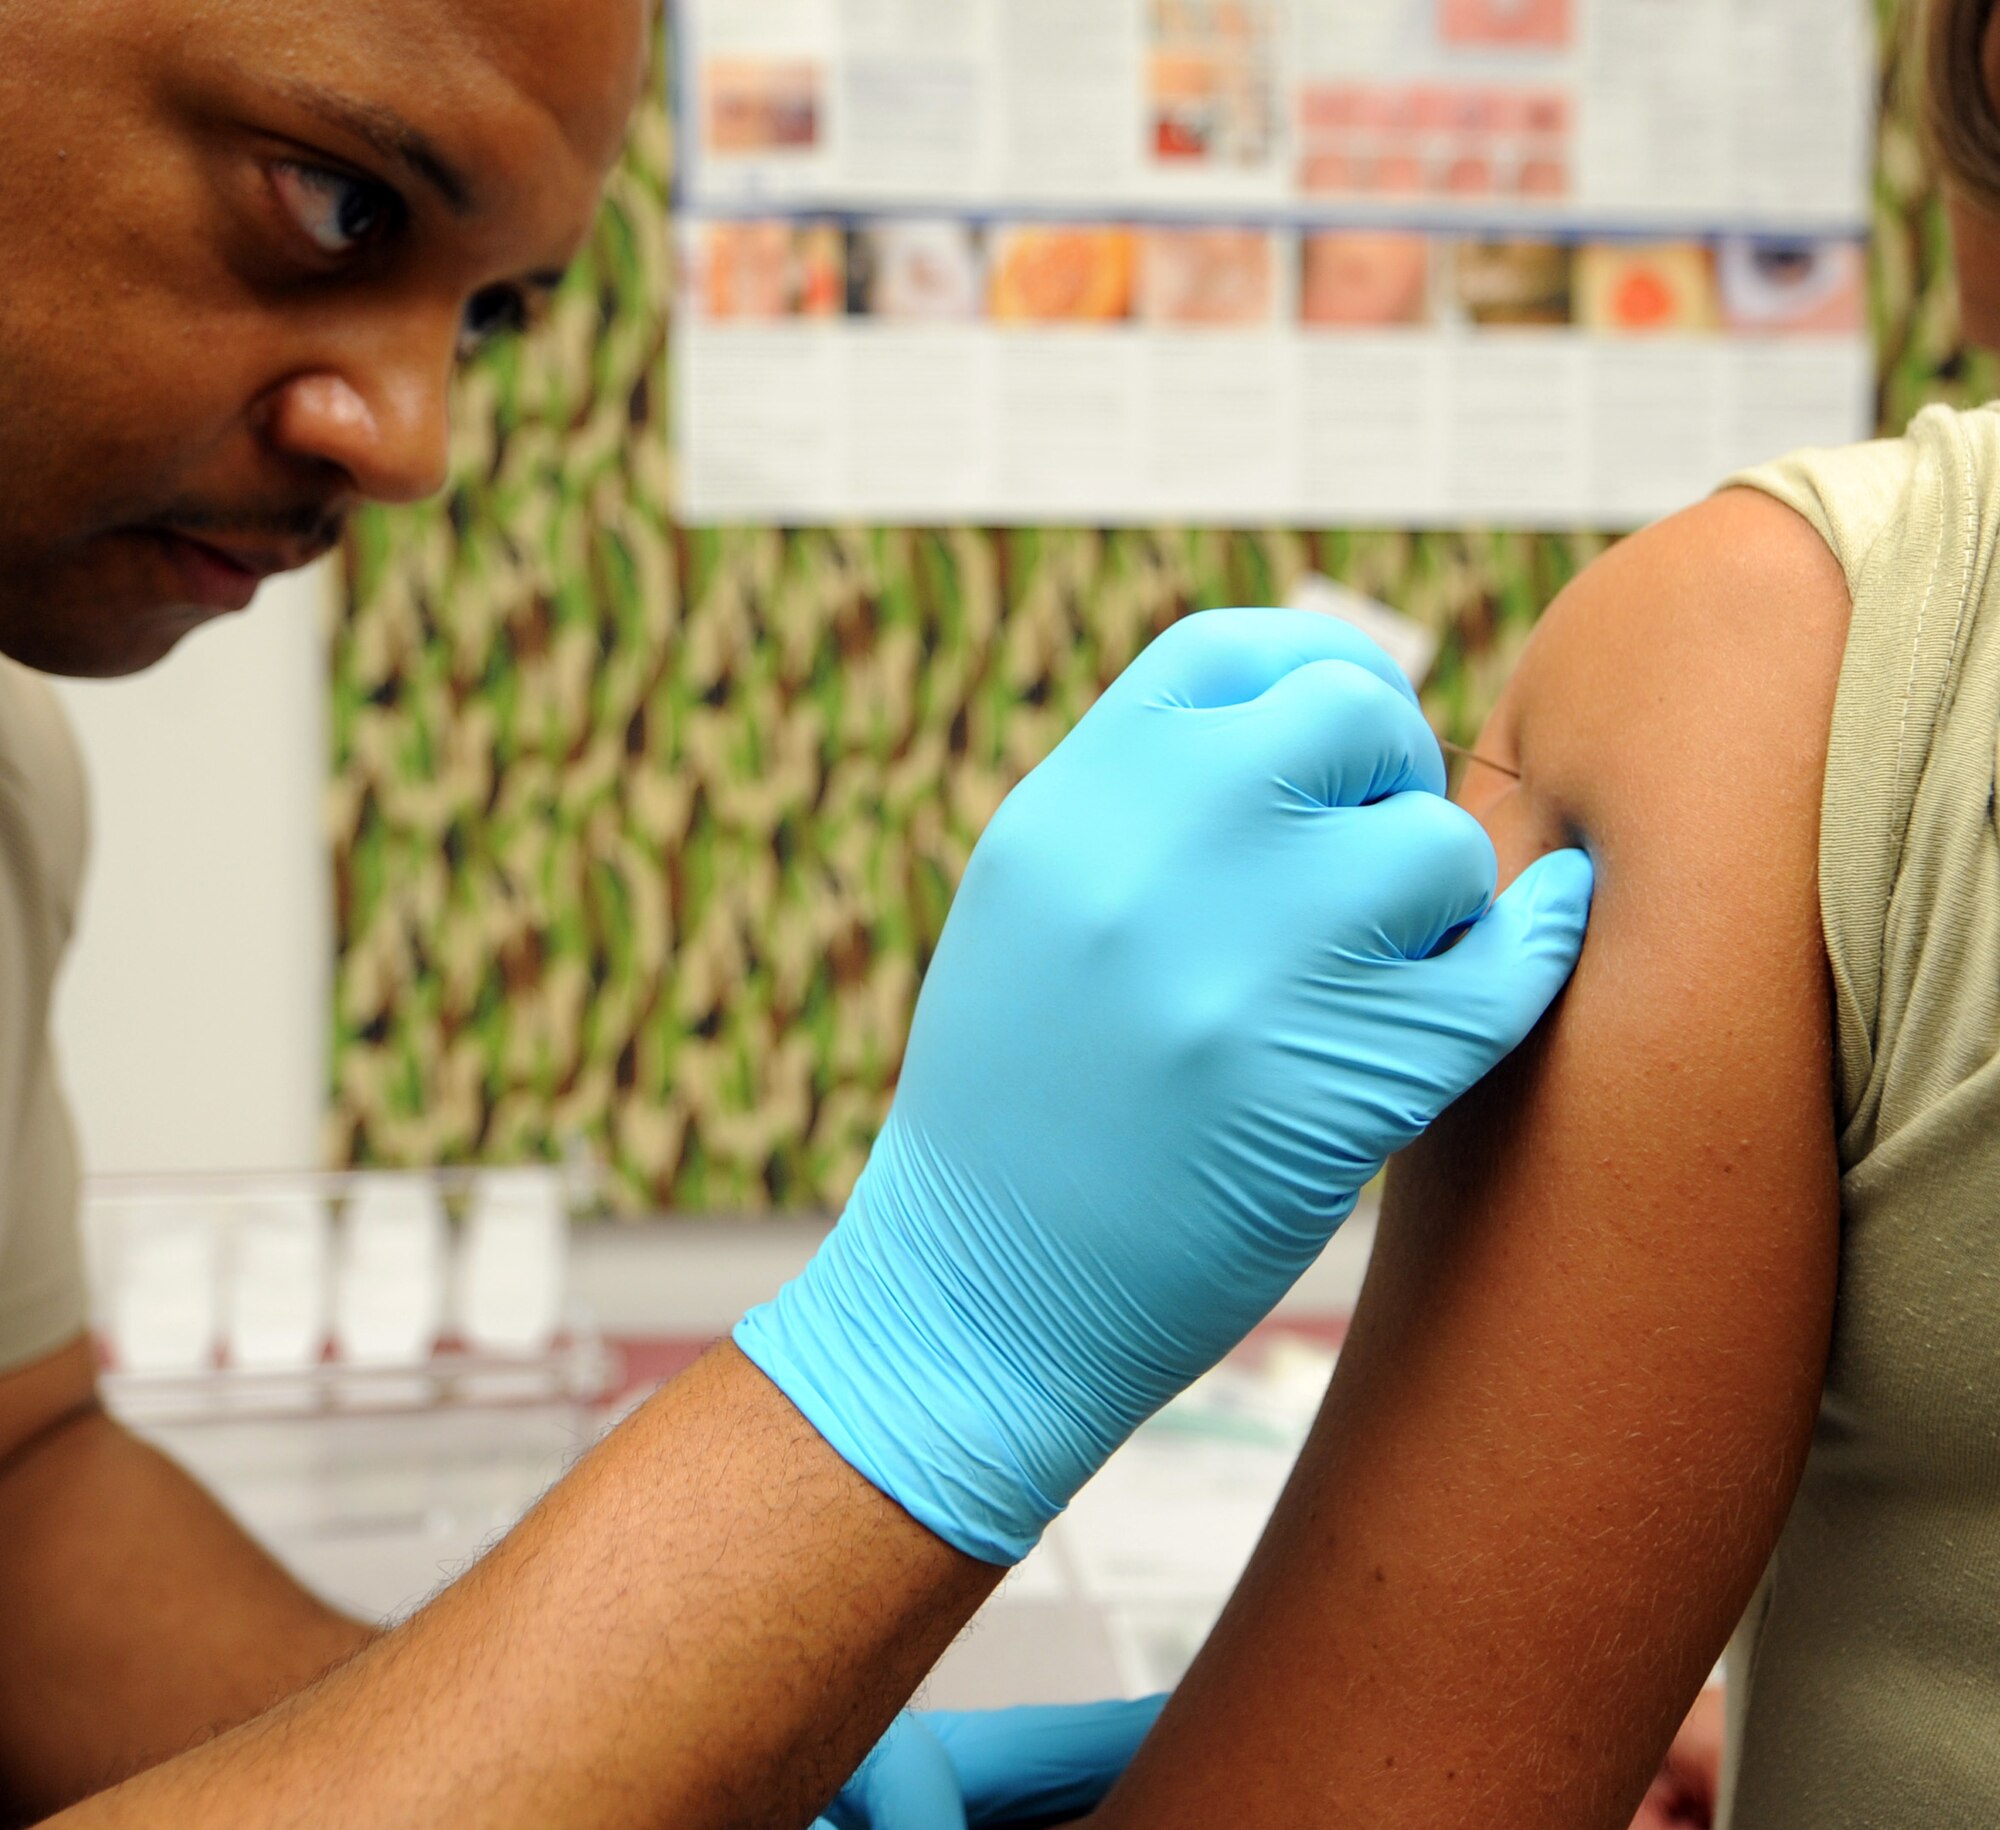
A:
[1395,262]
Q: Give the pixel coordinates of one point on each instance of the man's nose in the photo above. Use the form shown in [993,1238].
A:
[389,432]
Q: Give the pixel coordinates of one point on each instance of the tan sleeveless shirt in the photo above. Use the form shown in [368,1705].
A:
[1864,1683]
[41,870]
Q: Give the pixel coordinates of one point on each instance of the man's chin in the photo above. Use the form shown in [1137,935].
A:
[95,644]
[118,611]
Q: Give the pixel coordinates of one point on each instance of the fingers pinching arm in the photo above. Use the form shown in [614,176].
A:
[1516,959]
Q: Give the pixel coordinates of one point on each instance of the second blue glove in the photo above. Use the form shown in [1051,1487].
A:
[967,1769]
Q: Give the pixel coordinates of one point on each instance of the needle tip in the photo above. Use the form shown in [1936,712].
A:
[1459,749]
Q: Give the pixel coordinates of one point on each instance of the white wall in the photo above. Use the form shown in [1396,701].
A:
[192,1015]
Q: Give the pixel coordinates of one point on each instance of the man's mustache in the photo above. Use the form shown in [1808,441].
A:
[309,525]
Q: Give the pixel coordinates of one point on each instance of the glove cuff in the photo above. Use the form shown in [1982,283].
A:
[844,1346]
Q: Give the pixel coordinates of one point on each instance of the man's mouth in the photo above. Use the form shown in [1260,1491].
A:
[218,575]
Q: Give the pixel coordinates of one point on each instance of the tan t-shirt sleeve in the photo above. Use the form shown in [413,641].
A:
[43,1301]
[42,1294]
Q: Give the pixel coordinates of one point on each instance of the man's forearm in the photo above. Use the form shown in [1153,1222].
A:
[707,1624]
[140,1617]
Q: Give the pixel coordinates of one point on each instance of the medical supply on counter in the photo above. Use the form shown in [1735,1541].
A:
[389,1277]
[279,1288]
[241,1293]
[162,1304]
[507,1295]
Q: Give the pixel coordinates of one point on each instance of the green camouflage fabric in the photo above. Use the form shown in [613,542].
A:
[644,834]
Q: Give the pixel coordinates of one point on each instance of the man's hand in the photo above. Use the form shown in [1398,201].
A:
[1196,986]
[961,1769]
[1685,1795]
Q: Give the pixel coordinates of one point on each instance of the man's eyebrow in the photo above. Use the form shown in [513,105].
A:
[391,136]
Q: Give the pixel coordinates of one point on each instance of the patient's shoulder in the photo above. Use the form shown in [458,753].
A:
[1681,686]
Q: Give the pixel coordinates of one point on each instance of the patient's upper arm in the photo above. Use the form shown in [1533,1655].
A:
[1583,1375]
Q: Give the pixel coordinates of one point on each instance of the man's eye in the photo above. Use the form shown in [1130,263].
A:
[499,311]
[339,214]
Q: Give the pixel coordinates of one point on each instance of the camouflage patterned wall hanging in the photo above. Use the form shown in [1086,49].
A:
[644,835]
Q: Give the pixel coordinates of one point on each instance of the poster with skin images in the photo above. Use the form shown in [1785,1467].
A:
[1414,263]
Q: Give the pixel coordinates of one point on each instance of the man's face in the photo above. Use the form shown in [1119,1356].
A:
[242,245]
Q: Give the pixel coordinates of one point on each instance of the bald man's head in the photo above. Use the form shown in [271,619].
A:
[246,241]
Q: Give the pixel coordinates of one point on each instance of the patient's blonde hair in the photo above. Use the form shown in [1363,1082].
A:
[1959,117]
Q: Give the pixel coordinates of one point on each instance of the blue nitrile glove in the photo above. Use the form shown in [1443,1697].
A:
[1189,997]
[961,1769]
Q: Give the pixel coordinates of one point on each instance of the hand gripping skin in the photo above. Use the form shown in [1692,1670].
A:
[1195,988]
[961,1769]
